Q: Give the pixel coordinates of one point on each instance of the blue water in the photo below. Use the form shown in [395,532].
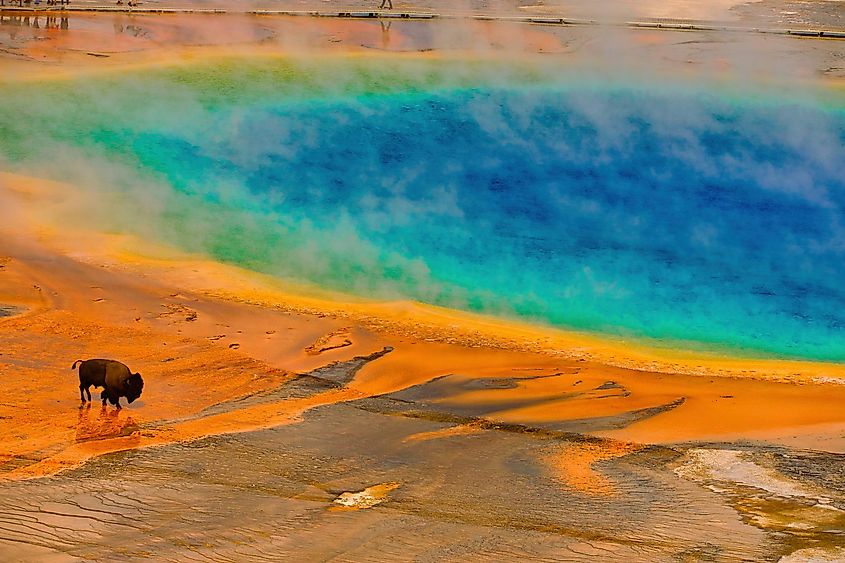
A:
[677,216]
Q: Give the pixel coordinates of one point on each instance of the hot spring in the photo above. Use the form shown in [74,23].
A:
[659,211]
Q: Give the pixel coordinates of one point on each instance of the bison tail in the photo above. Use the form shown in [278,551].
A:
[73,367]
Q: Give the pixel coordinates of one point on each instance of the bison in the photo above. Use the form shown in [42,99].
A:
[114,377]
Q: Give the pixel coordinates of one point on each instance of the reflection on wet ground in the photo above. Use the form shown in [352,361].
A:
[35,22]
[353,481]
[84,39]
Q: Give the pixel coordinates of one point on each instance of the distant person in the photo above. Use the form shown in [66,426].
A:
[388,3]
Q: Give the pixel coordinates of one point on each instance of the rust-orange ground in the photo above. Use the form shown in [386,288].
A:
[201,333]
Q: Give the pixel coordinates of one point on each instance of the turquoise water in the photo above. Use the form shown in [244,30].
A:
[669,214]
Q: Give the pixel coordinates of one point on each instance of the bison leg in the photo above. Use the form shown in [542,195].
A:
[82,392]
[88,390]
[103,397]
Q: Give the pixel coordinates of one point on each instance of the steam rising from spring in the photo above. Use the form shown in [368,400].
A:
[523,190]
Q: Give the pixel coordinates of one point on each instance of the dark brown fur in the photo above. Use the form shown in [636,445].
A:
[114,377]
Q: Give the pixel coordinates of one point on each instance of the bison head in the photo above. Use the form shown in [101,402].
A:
[134,385]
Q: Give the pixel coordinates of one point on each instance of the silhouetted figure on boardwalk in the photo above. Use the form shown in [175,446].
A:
[387,3]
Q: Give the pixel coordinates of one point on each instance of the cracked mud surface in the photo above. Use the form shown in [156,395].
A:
[292,491]
[487,494]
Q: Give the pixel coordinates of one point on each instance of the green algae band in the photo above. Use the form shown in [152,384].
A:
[656,212]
